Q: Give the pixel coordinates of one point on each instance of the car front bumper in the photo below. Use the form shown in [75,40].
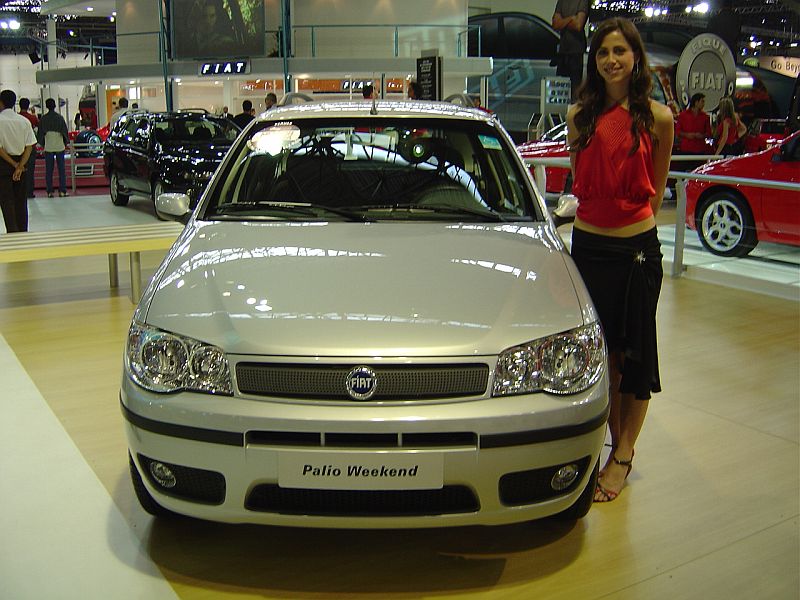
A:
[239,460]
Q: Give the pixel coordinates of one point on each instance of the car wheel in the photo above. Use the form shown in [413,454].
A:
[584,502]
[118,198]
[143,496]
[725,225]
[158,189]
[91,143]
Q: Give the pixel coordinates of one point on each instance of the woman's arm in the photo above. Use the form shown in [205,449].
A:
[572,135]
[664,130]
[723,136]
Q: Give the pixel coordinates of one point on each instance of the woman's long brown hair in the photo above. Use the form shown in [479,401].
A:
[592,92]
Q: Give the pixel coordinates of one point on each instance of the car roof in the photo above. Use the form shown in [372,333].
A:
[382,110]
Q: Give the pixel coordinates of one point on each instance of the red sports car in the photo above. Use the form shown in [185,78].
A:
[553,144]
[731,219]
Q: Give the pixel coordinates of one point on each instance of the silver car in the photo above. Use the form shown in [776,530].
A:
[369,321]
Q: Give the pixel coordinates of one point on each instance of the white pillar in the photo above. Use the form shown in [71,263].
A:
[102,114]
[227,95]
[49,90]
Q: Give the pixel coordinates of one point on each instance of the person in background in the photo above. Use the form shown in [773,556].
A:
[78,120]
[620,143]
[730,132]
[226,114]
[24,105]
[476,103]
[368,91]
[414,91]
[693,127]
[270,101]
[122,108]
[244,117]
[53,137]
[17,141]
[135,106]
[569,19]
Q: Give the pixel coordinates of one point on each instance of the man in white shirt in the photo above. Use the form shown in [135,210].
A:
[123,108]
[17,141]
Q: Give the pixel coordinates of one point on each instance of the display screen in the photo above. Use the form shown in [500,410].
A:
[217,28]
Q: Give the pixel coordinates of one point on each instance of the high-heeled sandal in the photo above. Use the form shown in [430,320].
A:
[607,495]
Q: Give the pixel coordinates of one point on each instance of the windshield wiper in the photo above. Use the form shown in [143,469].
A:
[305,208]
[487,213]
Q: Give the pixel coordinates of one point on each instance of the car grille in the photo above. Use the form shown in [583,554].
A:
[359,503]
[417,382]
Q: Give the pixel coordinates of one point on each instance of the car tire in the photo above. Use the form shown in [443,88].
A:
[581,506]
[118,197]
[87,137]
[143,496]
[725,225]
[158,189]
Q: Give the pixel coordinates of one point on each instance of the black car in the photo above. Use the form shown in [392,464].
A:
[151,153]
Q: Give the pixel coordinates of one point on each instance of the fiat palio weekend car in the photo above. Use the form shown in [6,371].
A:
[368,321]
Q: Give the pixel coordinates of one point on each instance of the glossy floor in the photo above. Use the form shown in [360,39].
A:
[711,509]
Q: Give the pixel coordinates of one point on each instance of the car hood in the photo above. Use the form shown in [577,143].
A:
[364,289]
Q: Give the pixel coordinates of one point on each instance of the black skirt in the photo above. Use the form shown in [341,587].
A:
[623,276]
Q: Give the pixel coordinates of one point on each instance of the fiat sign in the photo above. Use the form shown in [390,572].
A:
[706,66]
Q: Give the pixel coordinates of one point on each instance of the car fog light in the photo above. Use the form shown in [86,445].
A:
[564,477]
[162,474]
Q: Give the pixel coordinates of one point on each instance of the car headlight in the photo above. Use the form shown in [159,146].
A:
[564,363]
[164,362]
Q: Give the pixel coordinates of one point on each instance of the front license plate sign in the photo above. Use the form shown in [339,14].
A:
[361,471]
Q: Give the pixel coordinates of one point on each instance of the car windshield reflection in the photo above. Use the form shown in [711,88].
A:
[372,170]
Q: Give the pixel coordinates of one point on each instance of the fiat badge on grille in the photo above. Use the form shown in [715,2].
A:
[361,383]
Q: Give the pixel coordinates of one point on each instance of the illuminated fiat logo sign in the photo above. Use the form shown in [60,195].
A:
[361,383]
[706,66]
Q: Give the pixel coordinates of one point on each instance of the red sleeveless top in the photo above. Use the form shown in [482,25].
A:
[614,187]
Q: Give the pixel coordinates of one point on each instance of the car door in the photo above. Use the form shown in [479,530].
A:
[139,156]
[781,208]
[121,149]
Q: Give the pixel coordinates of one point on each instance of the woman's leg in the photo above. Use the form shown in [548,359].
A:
[625,423]
[615,406]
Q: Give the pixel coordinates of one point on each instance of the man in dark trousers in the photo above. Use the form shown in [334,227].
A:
[569,19]
[244,117]
[24,105]
[16,144]
[54,138]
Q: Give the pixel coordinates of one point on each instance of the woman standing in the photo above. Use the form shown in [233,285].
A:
[730,129]
[620,146]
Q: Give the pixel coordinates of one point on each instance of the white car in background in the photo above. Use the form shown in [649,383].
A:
[369,321]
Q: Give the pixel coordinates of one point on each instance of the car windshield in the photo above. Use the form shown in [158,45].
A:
[200,130]
[369,169]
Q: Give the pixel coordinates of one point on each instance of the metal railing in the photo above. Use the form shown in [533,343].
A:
[682,178]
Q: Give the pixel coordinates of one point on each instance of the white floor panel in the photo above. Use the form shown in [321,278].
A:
[77,544]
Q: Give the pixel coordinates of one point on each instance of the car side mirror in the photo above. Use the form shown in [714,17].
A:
[565,210]
[175,207]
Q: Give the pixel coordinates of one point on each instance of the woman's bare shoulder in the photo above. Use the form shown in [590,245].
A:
[661,112]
